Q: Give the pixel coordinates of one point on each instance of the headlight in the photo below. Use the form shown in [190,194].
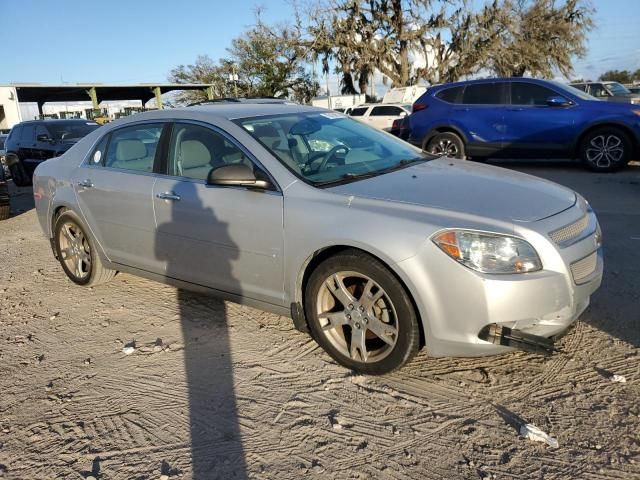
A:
[489,253]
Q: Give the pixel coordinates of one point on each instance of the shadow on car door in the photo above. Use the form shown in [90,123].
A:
[215,438]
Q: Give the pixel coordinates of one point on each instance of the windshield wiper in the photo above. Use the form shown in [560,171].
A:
[349,177]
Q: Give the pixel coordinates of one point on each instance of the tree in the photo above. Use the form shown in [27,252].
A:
[264,61]
[541,37]
[406,40]
[622,76]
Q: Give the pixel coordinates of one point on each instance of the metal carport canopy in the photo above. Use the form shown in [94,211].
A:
[81,92]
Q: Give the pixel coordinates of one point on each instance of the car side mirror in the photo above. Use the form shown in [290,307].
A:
[558,101]
[238,175]
[43,137]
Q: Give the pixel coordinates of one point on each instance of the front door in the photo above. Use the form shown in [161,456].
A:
[115,191]
[535,129]
[227,238]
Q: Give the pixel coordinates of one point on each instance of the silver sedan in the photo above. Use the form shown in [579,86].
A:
[372,246]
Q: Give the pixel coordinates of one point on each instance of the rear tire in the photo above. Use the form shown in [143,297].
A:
[360,314]
[19,174]
[606,149]
[76,252]
[446,144]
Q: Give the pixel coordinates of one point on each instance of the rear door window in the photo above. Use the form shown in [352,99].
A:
[16,133]
[133,148]
[524,93]
[386,111]
[358,112]
[483,94]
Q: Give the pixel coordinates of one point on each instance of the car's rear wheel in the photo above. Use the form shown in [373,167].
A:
[361,314]
[446,144]
[19,174]
[606,149]
[76,252]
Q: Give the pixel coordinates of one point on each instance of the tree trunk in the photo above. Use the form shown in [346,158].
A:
[363,80]
[398,20]
[347,83]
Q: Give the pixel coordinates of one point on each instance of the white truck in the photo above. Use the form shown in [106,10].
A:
[338,102]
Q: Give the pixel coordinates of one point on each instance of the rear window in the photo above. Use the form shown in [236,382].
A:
[358,112]
[386,111]
[483,94]
[450,95]
[71,130]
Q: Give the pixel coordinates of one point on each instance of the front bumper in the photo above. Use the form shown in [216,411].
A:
[457,303]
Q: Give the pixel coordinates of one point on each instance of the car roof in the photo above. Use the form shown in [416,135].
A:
[60,120]
[442,86]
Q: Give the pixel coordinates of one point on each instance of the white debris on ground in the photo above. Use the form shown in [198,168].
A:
[619,379]
[533,433]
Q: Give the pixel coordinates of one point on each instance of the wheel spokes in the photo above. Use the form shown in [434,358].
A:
[336,286]
[358,347]
[385,332]
[334,319]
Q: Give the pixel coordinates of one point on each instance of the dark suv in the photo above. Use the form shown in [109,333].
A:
[525,118]
[30,143]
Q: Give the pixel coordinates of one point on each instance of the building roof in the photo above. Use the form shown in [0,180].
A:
[34,92]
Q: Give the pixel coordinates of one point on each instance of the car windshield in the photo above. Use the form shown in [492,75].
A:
[330,148]
[617,88]
[68,130]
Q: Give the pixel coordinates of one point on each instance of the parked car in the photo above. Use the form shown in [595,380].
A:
[380,115]
[525,118]
[401,128]
[5,200]
[3,165]
[373,246]
[610,91]
[30,143]
[635,89]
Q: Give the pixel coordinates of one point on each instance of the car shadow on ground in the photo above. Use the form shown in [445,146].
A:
[615,197]
[216,444]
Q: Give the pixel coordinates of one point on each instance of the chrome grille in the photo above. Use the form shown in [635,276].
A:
[582,269]
[571,231]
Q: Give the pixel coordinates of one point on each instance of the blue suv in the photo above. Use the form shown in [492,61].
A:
[525,118]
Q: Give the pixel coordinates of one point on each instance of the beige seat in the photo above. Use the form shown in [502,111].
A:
[131,154]
[195,159]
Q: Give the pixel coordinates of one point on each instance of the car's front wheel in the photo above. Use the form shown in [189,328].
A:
[606,149]
[76,252]
[361,314]
[446,144]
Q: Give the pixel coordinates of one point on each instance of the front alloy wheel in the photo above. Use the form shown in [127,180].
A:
[361,314]
[605,150]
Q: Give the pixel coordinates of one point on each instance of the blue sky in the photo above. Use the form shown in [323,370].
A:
[138,41]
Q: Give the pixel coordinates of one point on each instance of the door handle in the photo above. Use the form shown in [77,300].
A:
[168,196]
[85,184]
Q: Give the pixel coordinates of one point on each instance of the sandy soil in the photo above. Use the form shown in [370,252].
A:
[217,390]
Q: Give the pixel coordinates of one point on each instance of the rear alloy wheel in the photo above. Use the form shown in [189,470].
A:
[446,144]
[76,252]
[360,314]
[19,174]
[606,149]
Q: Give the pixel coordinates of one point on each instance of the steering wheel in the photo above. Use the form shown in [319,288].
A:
[330,155]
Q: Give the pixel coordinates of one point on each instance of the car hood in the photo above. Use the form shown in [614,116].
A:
[466,187]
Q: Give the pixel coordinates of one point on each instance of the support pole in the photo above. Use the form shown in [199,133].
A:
[94,98]
[158,93]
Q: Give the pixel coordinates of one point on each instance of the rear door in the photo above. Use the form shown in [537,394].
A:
[481,114]
[114,188]
[536,129]
[227,238]
[382,116]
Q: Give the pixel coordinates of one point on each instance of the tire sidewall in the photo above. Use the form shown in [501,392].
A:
[408,338]
[69,215]
[606,131]
[447,136]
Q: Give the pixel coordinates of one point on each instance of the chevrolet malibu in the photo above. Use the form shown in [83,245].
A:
[373,247]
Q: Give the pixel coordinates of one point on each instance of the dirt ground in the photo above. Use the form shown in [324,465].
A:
[217,390]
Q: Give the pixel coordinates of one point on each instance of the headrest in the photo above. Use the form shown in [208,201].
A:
[193,154]
[130,149]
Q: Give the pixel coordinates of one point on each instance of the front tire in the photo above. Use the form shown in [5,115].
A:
[606,149]
[446,144]
[76,252]
[360,314]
